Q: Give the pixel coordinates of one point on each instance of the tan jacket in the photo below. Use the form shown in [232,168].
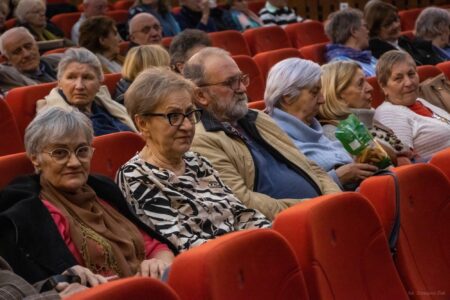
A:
[102,98]
[233,160]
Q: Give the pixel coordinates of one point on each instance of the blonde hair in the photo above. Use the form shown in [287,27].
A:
[336,77]
[143,57]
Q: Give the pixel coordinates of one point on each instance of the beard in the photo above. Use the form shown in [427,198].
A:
[228,111]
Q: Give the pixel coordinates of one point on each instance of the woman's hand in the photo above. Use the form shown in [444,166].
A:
[65,289]
[86,275]
[153,267]
[354,172]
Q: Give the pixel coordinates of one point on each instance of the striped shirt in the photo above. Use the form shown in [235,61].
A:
[271,15]
[189,209]
[427,135]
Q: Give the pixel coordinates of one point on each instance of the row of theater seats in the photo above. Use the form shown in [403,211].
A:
[20,106]
[332,247]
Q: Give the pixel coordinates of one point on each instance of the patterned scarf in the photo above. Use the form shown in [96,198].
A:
[108,242]
[335,50]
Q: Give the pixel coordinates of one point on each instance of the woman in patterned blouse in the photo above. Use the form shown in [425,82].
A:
[175,191]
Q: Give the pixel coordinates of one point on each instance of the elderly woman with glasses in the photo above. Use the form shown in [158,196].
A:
[174,191]
[293,96]
[62,217]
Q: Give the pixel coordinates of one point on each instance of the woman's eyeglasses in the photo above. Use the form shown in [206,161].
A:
[62,155]
[176,119]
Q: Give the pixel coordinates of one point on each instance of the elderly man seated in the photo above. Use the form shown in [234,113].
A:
[254,157]
[24,65]
[144,29]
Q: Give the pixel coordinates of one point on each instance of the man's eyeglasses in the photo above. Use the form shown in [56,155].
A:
[176,119]
[62,155]
[233,83]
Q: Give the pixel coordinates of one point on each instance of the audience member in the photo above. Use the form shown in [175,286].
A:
[204,15]
[419,124]
[433,25]
[144,29]
[24,64]
[349,37]
[14,287]
[99,35]
[276,12]
[346,91]
[64,217]
[79,84]
[186,44]
[293,97]
[384,27]
[4,11]
[242,16]
[138,59]
[92,8]
[173,190]
[246,146]
[160,10]
[31,14]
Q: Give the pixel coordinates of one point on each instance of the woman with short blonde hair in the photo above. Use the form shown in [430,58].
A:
[137,60]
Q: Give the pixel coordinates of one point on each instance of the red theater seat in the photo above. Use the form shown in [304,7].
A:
[266,60]
[65,22]
[247,65]
[408,18]
[258,105]
[249,264]
[230,40]
[266,38]
[111,82]
[428,71]
[11,141]
[142,288]
[423,255]
[445,68]
[113,150]
[306,33]
[377,93]
[341,246]
[442,161]
[315,52]
[12,166]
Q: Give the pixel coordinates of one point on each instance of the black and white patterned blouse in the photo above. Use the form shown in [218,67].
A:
[189,209]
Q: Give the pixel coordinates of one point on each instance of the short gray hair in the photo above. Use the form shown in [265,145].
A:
[24,6]
[52,124]
[183,42]
[151,87]
[431,22]
[11,32]
[194,68]
[340,24]
[81,56]
[287,78]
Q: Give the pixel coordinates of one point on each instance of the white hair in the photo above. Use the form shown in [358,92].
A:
[24,6]
[287,78]
[11,32]
[81,56]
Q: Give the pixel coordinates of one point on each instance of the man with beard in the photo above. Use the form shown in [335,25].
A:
[24,66]
[254,157]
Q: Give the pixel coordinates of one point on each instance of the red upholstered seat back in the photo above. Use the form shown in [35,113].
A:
[266,60]
[111,82]
[306,33]
[14,165]
[113,150]
[247,65]
[315,52]
[249,264]
[445,68]
[340,244]
[142,288]
[10,139]
[230,40]
[442,161]
[408,18]
[377,93]
[427,71]
[22,101]
[423,258]
[266,38]
[65,22]
[259,105]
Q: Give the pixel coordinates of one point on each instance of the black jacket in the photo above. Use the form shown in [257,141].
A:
[29,238]
[422,51]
